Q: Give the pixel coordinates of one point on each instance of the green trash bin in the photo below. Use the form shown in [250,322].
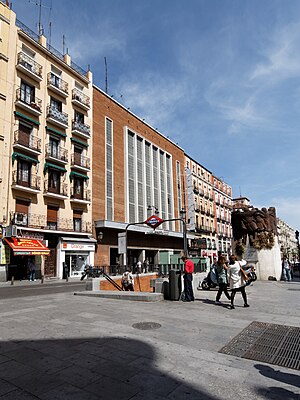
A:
[175,284]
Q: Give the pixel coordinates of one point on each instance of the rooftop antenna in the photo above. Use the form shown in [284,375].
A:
[63,43]
[50,26]
[106,83]
[240,191]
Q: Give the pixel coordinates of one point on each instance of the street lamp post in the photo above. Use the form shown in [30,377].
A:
[182,217]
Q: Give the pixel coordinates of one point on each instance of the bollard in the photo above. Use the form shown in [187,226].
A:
[42,279]
[12,280]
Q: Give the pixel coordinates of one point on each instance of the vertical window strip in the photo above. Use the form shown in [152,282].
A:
[131,176]
[109,170]
[162,184]
[149,201]
[155,178]
[140,180]
[178,181]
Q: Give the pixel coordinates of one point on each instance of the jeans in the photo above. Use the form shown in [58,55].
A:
[31,275]
[222,288]
[287,274]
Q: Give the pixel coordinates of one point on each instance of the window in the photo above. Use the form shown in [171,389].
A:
[109,168]
[54,147]
[77,220]
[24,172]
[78,188]
[25,131]
[56,104]
[54,181]
[78,117]
[78,152]
[27,93]
[52,217]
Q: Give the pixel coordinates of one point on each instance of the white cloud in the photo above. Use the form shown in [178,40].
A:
[153,97]
[282,56]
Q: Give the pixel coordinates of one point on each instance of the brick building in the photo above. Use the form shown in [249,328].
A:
[137,172]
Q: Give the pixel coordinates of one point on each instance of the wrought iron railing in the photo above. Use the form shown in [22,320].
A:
[59,83]
[80,195]
[28,63]
[59,116]
[60,153]
[30,181]
[32,142]
[81,127]
[81,97]
[80,161]
[29,99]
[59,188]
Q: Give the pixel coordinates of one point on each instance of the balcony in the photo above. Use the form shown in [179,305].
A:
[196,190]
[57,85]
[77,160]
[206,195]
[204,229]
[60,190]
[57,117]
[29,67]
[81,129]
[28,102]
[81,197]
[24,140]
[80,99]
[59,153]
[67,224]
[26,182]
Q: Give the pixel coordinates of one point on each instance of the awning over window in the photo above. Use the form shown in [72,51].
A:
[77,175]
[55,131]
[27,247]
[24,157]
[50,165]
[77,141]
[18,114]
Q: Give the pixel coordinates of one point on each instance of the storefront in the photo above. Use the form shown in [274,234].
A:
[74,255]
[21,250]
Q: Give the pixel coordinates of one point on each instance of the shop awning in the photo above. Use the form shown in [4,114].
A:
[55,131]
[27,247]
[74,140]
[18,114]
[24,157]
[54,166]
[77,175]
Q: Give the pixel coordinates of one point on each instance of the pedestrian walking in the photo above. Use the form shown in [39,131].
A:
[236,279]
[188,278]
[286,270]
[221,269]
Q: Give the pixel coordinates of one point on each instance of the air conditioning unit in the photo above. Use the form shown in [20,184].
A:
[20,219]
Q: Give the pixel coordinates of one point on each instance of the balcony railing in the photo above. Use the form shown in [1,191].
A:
[30,100]
[78,160]
[59,153]
[81,128]
[57,115]
[26,140]
[83,195]
[58,83]
[81,98]
[67,224]
[29,181]
[60,189]
[204,228]
[32,66]
[196,190]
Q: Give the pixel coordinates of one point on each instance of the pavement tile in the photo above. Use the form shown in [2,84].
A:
[18,395]
[11,370]
[6,387]
[68,392]
[108,388]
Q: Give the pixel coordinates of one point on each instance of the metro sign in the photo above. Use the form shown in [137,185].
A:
[154,221]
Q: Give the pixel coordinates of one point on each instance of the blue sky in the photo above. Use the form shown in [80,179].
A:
[219,77]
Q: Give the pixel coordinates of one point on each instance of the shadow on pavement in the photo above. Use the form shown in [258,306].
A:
[87,369]
[279,376]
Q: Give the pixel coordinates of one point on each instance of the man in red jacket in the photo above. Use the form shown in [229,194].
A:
[188,278]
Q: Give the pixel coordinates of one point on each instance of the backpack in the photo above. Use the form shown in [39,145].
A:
[126,280]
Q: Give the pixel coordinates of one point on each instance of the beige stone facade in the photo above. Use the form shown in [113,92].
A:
[46,149]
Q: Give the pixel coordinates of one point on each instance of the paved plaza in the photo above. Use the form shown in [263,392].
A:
[61,346]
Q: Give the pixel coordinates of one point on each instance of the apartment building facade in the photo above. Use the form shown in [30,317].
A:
[209,211]
[287,241]
[223,208]
[46,148]
[137,173]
